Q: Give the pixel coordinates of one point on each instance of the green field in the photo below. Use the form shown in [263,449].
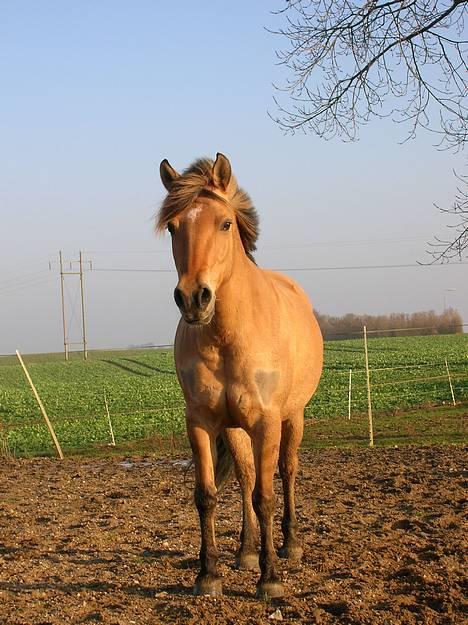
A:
[144,398]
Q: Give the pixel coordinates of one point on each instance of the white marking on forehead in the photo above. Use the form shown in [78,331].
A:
[193,213]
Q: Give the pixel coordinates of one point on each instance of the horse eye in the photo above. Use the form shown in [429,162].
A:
[226,225]
[170,228]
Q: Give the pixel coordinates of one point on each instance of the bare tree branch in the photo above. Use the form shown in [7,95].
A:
[443,250]
[351,60]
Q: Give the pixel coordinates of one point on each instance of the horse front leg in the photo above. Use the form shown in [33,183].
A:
[266,441]
[208,581]
[240,448]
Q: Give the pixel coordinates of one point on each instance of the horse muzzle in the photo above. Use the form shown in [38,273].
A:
[197,307]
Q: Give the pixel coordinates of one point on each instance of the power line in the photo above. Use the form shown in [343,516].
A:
[36,278]
[29,284]
[33,278]
[331,268]
[6,283]
[24,266]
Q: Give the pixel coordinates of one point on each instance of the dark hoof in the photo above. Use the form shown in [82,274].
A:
[208,585]
[247,562]
[270,590]
[293,553]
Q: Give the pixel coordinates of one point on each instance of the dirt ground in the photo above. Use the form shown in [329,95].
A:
[116,542]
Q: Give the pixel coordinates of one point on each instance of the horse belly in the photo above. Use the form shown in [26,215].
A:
[278,386]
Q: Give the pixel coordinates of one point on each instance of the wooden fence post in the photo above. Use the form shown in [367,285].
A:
[450,382]
[109,419]
[369,403]
[349,394]
[41,406]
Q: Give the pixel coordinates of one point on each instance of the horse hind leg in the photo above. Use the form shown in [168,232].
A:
[291,436]
[240,447]
[266,442]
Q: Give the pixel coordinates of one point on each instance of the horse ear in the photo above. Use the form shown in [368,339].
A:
[168,174]
[221,172]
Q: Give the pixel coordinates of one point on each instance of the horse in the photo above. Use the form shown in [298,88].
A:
[248,354]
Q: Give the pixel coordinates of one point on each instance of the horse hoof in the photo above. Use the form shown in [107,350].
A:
[208,586]
[247,562]
[293,553]
[270,590]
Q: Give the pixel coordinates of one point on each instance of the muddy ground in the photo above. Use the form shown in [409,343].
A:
[106,541]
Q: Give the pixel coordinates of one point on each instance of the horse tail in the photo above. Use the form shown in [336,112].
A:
[224,463]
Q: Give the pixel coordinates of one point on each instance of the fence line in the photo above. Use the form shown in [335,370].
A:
[438,377]
[181,406]
[410,366]
[461,376]
[358,333]
[342,398]
[93,415]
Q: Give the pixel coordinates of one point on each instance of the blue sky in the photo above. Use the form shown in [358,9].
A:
[95,94]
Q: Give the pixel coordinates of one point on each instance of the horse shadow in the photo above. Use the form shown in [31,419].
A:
[133,370]
[123,367]
[54,583]
[152,368]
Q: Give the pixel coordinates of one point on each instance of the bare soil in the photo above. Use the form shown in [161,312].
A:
[106,541]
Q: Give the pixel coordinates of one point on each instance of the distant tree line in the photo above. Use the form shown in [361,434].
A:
[419,323]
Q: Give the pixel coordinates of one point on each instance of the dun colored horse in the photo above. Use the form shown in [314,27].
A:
[248,354]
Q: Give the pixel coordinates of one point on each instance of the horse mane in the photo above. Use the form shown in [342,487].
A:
[197,181]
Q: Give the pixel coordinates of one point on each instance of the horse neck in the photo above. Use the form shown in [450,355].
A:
[236,298]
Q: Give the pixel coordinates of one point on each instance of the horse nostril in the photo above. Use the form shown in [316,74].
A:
[206,295]
[179,298]
[203,297]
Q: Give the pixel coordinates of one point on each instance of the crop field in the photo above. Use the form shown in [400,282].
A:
[143,397]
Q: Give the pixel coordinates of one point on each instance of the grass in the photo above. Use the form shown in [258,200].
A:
[422,426]
[145,400]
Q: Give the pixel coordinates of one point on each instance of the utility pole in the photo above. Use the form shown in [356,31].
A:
[81,267]
[62,297]
[83,316]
